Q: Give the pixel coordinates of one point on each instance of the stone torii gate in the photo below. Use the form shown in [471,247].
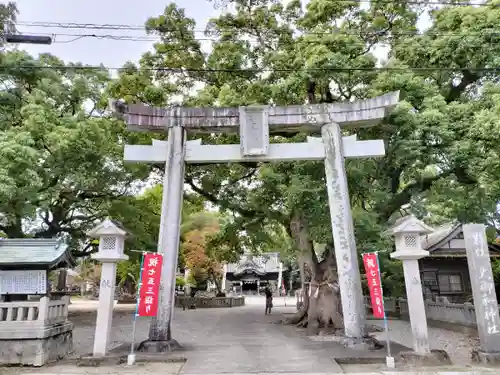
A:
[255,123]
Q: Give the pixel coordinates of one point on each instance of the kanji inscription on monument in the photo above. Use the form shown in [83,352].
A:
[23,282]
[483,288]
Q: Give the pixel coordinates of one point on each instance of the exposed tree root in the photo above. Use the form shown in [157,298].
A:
[298,317]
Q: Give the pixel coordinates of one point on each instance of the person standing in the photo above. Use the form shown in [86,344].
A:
[269,300]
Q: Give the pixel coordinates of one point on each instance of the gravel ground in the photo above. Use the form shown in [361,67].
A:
[457,345]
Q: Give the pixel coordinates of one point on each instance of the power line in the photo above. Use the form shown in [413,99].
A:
[74,25]
[7,68]
[111,26]
[145,38]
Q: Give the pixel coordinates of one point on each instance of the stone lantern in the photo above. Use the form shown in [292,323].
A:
[407,232]
[111,237]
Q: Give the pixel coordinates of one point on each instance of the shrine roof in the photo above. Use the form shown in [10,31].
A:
[260,264]
[437,243]
[47,253]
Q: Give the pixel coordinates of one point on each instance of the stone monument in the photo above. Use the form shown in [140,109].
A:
[483,292]
[254,124]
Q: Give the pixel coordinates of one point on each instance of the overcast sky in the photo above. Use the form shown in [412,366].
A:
[112,53]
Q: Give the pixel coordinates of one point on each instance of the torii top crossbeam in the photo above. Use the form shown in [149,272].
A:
[360,113]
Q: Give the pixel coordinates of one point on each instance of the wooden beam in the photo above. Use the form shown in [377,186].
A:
[207,154]
[360,113]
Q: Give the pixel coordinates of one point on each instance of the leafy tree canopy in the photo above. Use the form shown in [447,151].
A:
[269,52]
[62,156]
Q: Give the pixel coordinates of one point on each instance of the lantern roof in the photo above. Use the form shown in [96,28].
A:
[409,224]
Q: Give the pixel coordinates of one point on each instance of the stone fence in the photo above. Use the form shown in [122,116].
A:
[461,314]
[209,302]
[41,325]
[33,314]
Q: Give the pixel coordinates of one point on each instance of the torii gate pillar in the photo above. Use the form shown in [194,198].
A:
[160,333]
[351,292]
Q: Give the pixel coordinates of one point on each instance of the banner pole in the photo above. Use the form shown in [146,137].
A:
[389,360]
[131,356]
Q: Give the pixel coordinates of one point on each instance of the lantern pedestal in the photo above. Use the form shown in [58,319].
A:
[414,295]
[106,304]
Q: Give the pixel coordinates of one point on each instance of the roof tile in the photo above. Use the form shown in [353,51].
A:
[30,250]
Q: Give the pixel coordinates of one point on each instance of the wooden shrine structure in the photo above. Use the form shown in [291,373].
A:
[34,328]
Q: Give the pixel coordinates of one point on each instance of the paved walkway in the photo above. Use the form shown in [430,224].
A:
[244,340]
[218,341]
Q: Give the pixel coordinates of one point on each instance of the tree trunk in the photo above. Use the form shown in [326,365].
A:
[218,285]
[302,270]
[321,309]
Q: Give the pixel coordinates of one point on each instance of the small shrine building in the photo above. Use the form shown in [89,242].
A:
[34,325]
[445,272]
[252,273]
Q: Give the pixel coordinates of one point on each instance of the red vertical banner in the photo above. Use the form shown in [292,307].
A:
[150,285]
[372,269]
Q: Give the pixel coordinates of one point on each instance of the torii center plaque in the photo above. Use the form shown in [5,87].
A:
[255,124]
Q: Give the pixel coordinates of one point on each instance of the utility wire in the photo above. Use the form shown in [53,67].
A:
[485,32]
[144,38]
[7,68]
[110,26]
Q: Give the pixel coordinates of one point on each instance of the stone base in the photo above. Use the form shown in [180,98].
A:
[434,358]
[57,344]
[115,359]
[485,358]
[365,343]
[167,346]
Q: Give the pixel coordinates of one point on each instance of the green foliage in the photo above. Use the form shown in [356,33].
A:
[441,141]
[128,274]
[62,157]
[192,280]
[8,16]
[179,281]
[442,154]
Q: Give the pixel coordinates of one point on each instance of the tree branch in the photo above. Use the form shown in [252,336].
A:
[251,214]
[456,91]
[421,185]
[87,250]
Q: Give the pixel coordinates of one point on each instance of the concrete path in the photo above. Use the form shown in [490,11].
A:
[218,341]
[244,340]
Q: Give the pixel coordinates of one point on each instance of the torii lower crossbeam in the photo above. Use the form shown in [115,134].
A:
[196,153]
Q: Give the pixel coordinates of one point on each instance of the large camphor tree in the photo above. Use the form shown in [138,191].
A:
[61,153]
[441,141]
